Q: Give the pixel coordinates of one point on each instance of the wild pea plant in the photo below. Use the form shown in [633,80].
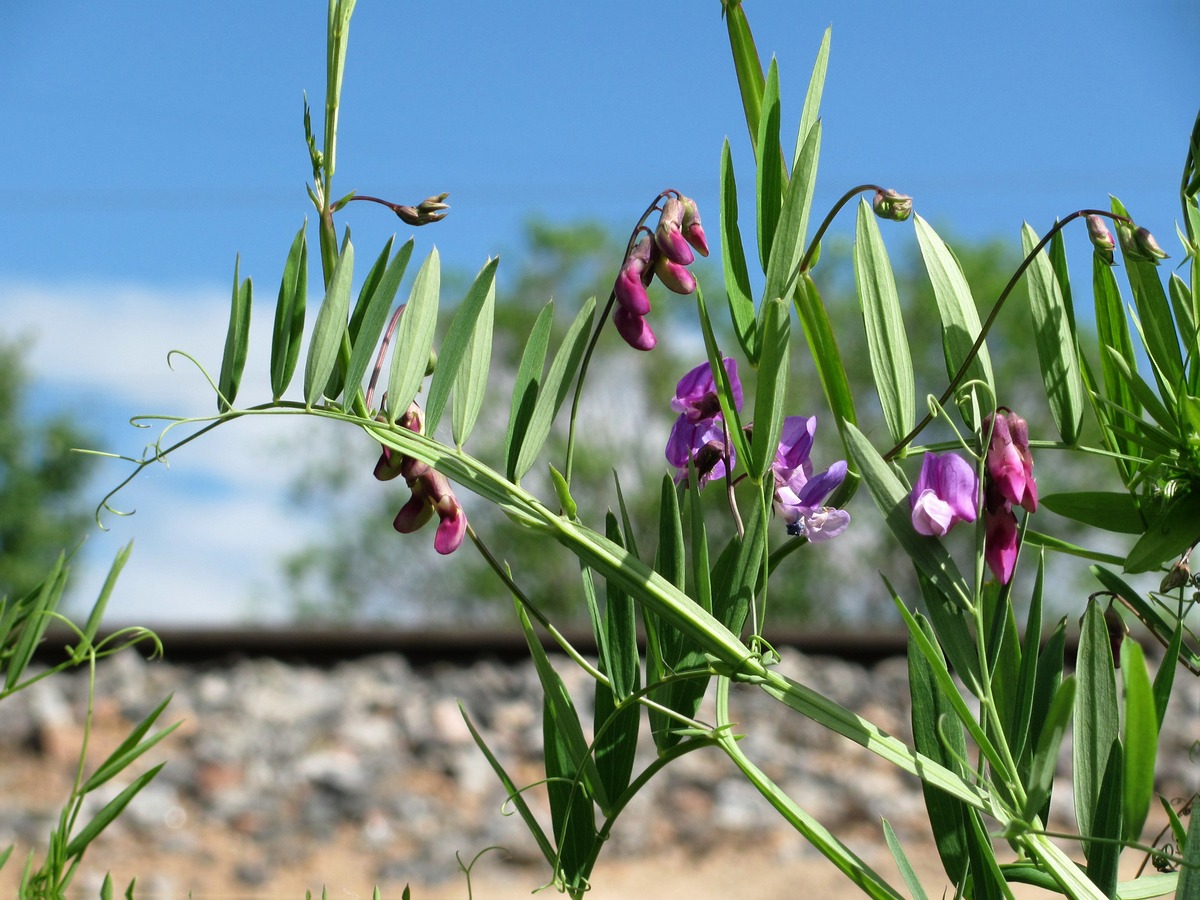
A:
[986,746]
[23,624]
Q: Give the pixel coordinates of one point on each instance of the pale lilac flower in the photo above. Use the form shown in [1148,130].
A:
[705,444]
[946,493]
[799,494]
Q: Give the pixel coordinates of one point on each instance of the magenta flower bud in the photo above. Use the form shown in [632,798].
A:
[634,329]
[669,235]
[413,514]
[388,465]
[635,276]
[450,531]
[1000,542]
[676,277]
[892,205]
[946,493]
[693,233]
[1101,238]
[1009,462]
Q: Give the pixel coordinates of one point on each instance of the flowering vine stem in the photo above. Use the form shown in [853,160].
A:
[806,259]
[983,331]
[600,323]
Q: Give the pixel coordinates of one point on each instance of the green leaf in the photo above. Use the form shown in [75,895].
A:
[1189,875]
[1164,678]
[555,387]
[108,813]
[1044,763]
[1055,341]
[1175,529]
[414,337]
[770,395]
[1140,741]
[130,749]
[1109,510]
[96,616]
[371,314]
[887,340]
[956,309]
[809,116]
[736,573]
[792,226]
[938,734]
[733,261]
[330,327]
[620,623]
[901,858]
[237,341]
[474,316]
[1104,854]
[770,180]
[1096,719]
[32,616]
[289,314]
[1045,688]
[823,348]
[746,64]
[1185,314]
[515,797]
[1112,332]
[525,389]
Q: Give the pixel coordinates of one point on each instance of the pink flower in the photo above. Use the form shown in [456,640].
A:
[1009,462]
[946,493]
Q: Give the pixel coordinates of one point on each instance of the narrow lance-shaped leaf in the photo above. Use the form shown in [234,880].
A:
[371,314]
[237,341]
[733,260]
[1141,741]
[771,178]
[823,348]
[326,341]
[771,391]
[1096,717]
[470,387]
[1045,756]
[289,314]
[746,64]
[812,99]
[525,388]
[555,387]
[956,309]
[414,337]
[887,341]
[1112,333]
[788,246]
[475,309]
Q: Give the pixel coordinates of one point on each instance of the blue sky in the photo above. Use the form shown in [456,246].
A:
[146,144]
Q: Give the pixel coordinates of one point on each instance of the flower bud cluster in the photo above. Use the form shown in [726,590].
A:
[431,492]
[1138,243]
[666,252]
[431,209]
[1009,482]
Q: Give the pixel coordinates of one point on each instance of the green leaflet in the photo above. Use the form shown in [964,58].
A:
[887,340]
[810,115]
[1096,720]
[1175,529]
[956,309]
[771,177]
[330,326]
[733,261]
[554,388]
[289,315]
[464,357]
[525,388]
[371,313]
[771,389]
[1112,332]
[822,346]
[1055,341]
[1108,510]
[792,225]
[414,337]
[1044,762]
[1140,722]
[746,64]
[237,342]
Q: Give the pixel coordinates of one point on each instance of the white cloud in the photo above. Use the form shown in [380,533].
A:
[211,526]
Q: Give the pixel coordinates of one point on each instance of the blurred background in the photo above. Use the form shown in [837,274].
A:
[149,146]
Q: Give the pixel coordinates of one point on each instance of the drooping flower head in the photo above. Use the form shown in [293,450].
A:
[946,493]
[799,494]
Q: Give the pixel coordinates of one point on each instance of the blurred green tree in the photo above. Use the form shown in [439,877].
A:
[41,480]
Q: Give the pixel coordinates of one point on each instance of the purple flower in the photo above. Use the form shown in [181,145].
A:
[696,392]
[704,443]
[947,492]
[669,234]
[798,492]
[635,276]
